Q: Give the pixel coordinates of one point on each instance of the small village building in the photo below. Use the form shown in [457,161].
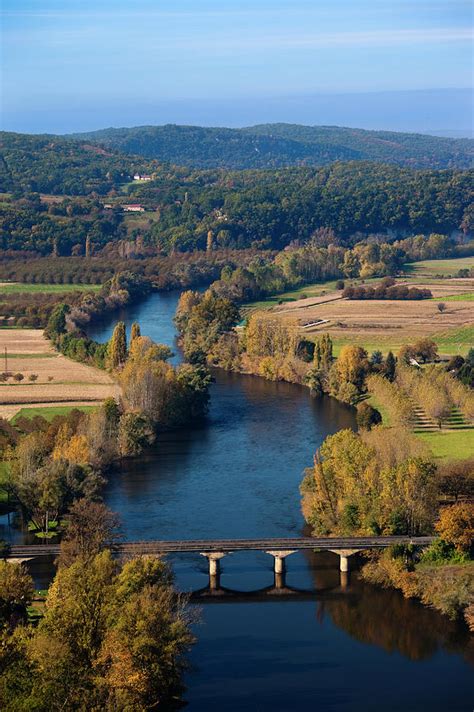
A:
[134,208]
[142,177]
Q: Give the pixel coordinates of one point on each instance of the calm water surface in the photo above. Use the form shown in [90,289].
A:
[320,645]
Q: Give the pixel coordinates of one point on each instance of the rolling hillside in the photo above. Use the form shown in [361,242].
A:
[280,145]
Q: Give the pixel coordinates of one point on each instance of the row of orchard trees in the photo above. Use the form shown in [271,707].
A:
[437,392]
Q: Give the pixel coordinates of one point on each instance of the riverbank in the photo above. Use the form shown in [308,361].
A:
[236,475]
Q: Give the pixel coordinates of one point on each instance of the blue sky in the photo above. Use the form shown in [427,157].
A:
[82,58]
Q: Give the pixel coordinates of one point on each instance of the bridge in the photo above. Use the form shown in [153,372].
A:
[214,550]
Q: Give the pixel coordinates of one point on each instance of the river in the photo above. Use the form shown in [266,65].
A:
[349,647]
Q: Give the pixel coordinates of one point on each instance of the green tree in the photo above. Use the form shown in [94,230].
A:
[390,366]
[57,321]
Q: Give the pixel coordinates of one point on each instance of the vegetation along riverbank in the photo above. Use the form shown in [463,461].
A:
[405,472]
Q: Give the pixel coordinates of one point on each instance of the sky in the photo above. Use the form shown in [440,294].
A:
[71,65]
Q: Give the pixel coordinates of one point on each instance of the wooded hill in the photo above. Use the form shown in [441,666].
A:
[186,209]
[280,145]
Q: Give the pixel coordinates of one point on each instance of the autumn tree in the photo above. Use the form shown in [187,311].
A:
[16,593]
[117,350]
[354,488]
[266,335]
[409,492]
[112,637]
[134,332]
[92,527]
[456,525]
[367,416]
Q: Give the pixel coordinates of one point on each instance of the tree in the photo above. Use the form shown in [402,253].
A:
[134,434]
[117,351]
[16,593]
[134,332]
[57,321]
[142,653]
[425,349]
[367,416]
[92,527]
[456,525]
[113,637]
[325,353]
[410,492]
[351,366]
[376,358]
[441,307]
[390,366]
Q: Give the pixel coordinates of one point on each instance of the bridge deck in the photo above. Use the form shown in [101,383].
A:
[230,545]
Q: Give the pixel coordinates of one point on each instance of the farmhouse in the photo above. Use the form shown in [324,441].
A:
[134,208]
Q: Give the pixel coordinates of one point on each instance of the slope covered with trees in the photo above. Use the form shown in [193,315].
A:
[278,145]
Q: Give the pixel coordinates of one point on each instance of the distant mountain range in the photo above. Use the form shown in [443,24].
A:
[280,145]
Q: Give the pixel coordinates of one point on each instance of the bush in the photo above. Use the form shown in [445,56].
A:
[18,377]
[367,416]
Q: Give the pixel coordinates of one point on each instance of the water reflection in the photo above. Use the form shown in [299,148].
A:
[323,643]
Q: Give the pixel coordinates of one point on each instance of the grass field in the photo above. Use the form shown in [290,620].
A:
[435,267]
[450,444]
[309,290]
[467,297]
[457,341]
[50,412]
[21,288]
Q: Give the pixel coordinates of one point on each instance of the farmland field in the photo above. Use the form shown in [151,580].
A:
[439,267]
[383,324]
[49,412]
[22,288]
[386,324]
[59,380]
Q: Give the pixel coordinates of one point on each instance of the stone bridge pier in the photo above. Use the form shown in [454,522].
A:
[214,560]
[279,565]
[344,555]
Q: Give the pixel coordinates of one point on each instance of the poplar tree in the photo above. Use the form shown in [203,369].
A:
[135,332]
[390,366]
[325,350]
[118,346]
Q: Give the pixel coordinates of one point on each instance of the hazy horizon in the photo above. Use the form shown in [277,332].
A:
[87,64]
[443,112]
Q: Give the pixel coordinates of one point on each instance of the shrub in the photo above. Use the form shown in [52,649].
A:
[18,377]
[367,416]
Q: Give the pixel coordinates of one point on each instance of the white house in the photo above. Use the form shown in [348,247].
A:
[134,208]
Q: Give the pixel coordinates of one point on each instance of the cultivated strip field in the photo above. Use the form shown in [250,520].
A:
[59,379]
[385,323]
